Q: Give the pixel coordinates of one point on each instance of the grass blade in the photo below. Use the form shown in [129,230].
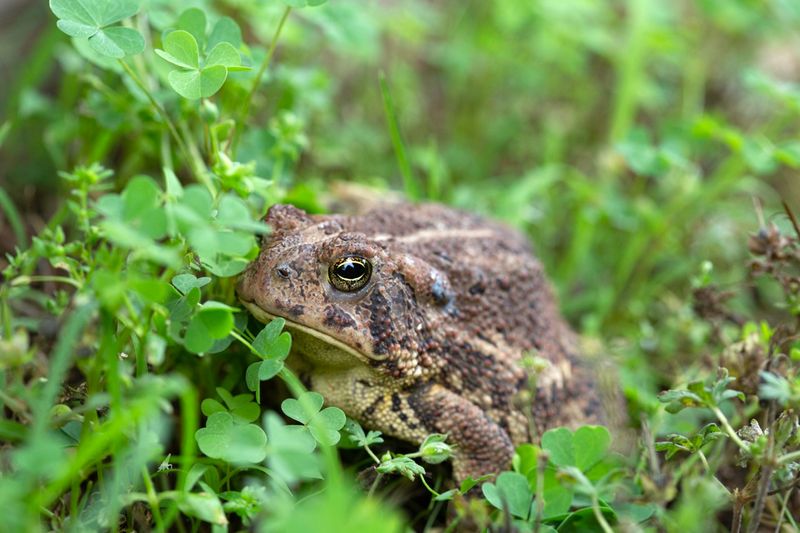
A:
[410,184]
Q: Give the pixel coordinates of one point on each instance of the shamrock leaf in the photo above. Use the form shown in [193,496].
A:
[213,321]
[262,371]
[222,244]
[224,439]
[326,425]
[196,81]
[559,446]
[585,448]
[92,20]
[198,78]
[270,343]
[323,425]
[240,406]
[136,219]
[291,454]
[203,505]
[295,409]
[180,49]
[193,20]
[225,30]
[186,282]
[591,446]
[510,491]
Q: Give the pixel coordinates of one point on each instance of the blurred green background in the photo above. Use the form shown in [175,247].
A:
[627,137]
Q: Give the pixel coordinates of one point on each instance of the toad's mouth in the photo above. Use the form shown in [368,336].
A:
[318,347]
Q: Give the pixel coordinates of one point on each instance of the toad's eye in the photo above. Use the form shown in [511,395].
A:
[350,273]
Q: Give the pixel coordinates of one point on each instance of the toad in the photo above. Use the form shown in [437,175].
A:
[418,319]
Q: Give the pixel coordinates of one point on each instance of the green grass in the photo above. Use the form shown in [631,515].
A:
[628,138]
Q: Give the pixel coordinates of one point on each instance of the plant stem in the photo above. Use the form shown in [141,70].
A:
[598,514]
[541,464]
[789,457]
[374,485]
[703,460]
[152,499]
[784,509]
[422,478]
[768,465]
[14,218]
[256,81]
[168,121]
[298,390]
[372,454]
[165,117]
[728,429]
[195,158]
[26,280]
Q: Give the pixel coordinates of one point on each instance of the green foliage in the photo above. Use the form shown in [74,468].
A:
[676,442]
[510,491]
[360,438]
[94,19]
[223,439]
[323,424]
[139,153]
[195,77]
[709,393]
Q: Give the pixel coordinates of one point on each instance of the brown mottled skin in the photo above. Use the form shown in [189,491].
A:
[434,341]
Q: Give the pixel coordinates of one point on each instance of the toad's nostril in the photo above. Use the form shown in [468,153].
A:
[283,271]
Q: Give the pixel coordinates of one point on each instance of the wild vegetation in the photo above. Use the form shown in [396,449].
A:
[650,150]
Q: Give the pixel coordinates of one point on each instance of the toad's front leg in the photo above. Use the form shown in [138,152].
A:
[413,412]
[482,446]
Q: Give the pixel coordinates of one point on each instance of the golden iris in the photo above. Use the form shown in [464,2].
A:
[349,273]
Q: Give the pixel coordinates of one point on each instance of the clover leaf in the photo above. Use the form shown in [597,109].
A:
[295,409]
[93,19]
[193,20]
[213,321]
[274,347]
[583,449]
[290,455]
[136,219]
[223,239]
[261,371]
[224,439]
[225,30]
[270,343]
[200,74]
[241,406]
[323,425]
[511,491]
[186,282]
[204,505]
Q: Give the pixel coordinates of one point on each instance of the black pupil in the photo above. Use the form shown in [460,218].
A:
[350,269]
